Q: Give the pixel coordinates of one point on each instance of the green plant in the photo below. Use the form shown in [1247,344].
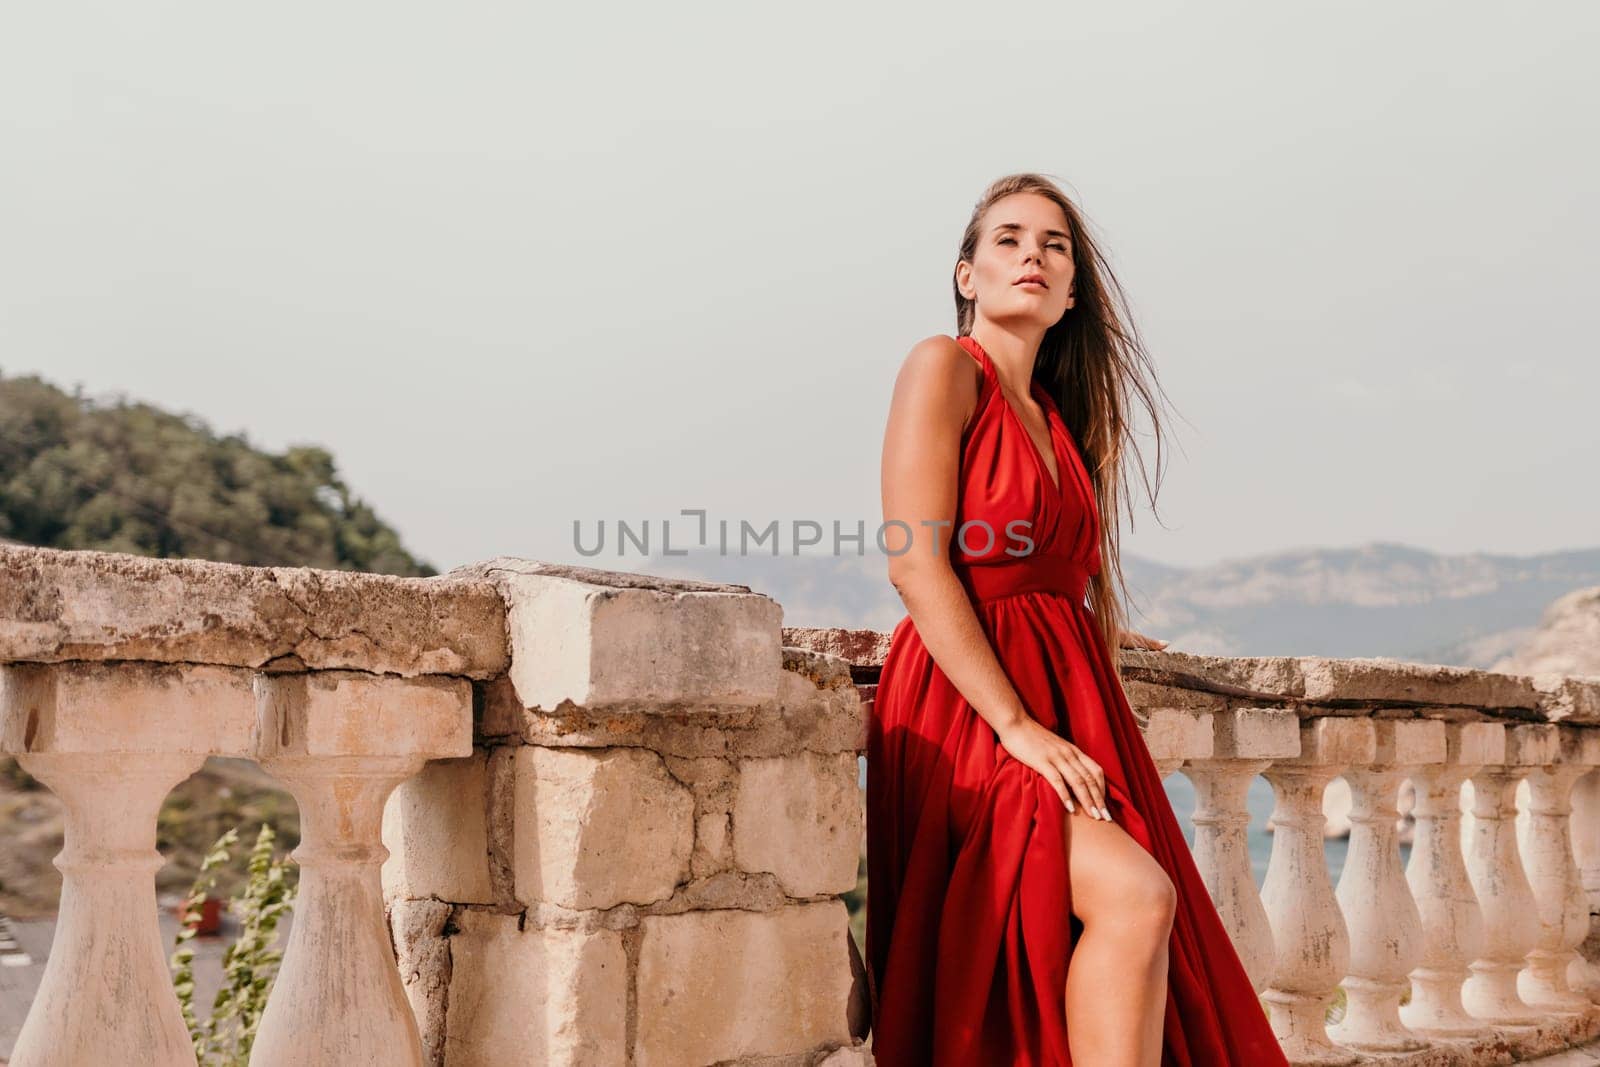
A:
[249,965]
[193,908]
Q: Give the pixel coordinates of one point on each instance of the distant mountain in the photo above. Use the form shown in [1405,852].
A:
[1379,599]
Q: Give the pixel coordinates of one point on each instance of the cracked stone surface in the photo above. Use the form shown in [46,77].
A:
[66,605]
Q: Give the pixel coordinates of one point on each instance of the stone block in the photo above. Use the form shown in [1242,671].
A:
[125,708]
[1179,734]
[1336,742]
[435,829]
[549,996]
[1581,745]
[60,605]
[1381,680]
[598,827]
[859,648]
[1532,745]
[598,641]
[715,986]
[1257,733]
[1408,742]
[1473,744]
[800,817]
[1568,699]
[348,713]
[1264,678]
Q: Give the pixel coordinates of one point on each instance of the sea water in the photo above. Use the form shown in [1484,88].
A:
[1259,801]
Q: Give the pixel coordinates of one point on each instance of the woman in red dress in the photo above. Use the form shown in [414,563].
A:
[1030,896]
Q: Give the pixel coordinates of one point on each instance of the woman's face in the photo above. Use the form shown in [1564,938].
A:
[1021,270]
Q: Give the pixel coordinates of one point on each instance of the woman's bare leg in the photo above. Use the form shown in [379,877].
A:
[1117,978]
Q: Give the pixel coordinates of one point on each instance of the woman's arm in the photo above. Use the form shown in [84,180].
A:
[935,394]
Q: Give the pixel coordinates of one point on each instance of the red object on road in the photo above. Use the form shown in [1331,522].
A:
[210,923]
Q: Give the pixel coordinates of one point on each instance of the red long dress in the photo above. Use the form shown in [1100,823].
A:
[969,929]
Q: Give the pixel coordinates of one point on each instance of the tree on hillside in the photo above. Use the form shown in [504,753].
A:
[121,476]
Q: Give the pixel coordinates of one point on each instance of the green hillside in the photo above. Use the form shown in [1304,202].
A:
[128,477]
[121,476]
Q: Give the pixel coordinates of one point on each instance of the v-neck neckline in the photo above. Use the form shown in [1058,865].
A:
[1050,432]
[1046,406]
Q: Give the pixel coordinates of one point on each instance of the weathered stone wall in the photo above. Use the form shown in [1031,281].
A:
[120,675]
[642,860]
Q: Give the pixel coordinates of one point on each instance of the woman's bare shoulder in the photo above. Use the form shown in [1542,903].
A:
[939,385]
[941,365]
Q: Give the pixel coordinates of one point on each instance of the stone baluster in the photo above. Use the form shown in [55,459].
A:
[111,740]
[1309,935]
[1585,822]
[1494,864]
[1245,742]
[341,741]
[1173,735]
[1384,924]
[1452,923]
[1546,845]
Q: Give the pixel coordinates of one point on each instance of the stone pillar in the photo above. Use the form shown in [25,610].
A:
[1308,931]
[341,741]
[1384,924]
[111,740]
[1546,846]
[1173,735]
[1510,912]
[1585,974]
[1452,923]
[1245,743]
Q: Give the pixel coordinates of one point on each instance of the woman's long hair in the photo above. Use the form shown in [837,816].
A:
[1094,365]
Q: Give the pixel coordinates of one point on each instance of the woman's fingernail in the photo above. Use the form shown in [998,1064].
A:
[1107,813]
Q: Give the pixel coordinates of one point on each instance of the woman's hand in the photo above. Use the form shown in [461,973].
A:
[1063,764]
[1134,639]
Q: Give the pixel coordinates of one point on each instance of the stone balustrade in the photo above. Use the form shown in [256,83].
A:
[567,816]
[120,675]
[1481,949]
[548,814]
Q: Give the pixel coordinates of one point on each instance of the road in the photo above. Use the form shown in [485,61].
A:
[25,946]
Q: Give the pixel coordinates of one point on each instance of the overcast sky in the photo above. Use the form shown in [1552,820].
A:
[517,266]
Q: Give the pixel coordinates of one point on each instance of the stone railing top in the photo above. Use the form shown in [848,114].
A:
[59,606]
[581,637]
[1314,685]
[864,650]
[502,567]
[76,605]
[62,606]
